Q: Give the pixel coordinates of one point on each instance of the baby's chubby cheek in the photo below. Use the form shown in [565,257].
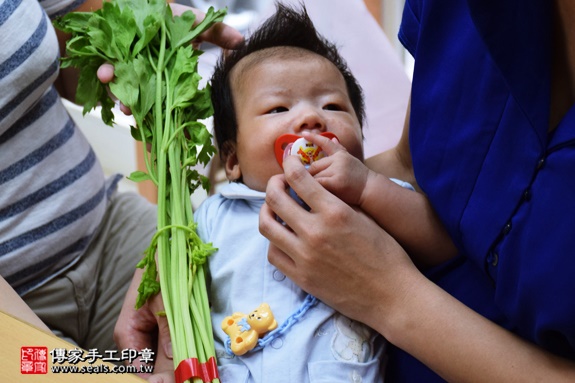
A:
[354,146]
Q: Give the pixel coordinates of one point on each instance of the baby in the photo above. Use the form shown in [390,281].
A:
[285,79]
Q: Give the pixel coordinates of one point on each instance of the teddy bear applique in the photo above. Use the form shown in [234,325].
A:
[245,330]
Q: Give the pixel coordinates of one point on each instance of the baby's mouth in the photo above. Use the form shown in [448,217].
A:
[292,144]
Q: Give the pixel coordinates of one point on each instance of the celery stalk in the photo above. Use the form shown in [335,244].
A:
[156,77]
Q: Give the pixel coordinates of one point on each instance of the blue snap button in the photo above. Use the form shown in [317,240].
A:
[540,163]
[494,259]
[278,275]
[277,343]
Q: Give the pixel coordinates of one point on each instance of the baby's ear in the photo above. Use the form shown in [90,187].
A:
[230,161]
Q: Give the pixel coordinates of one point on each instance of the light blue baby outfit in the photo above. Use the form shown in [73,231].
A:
[323,346]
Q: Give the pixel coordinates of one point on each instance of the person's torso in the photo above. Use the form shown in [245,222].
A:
[482,153]
[53,190]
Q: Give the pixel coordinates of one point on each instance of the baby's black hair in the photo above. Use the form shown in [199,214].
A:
[287,27]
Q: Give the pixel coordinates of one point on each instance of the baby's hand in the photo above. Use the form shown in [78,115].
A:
[339,172]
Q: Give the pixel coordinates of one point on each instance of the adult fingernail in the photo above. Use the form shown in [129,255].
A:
[168,349]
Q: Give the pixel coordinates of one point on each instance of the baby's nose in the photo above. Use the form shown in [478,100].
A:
[312,120]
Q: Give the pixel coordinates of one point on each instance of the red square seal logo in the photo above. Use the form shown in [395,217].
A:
[34,360]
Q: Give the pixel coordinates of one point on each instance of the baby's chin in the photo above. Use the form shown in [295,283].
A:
[259,181]
[255,184]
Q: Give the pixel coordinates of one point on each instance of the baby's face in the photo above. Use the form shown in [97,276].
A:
[289,95]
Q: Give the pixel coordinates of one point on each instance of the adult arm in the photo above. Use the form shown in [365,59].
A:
[144,327]
[378,284]
[407,216]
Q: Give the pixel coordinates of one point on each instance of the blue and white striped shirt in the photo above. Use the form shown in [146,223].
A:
[53,193]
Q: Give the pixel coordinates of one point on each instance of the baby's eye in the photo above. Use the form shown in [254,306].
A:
[279,109]
[332,107]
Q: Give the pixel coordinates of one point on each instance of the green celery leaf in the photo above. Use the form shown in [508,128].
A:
[152,24]
[102,37]
[201,252]
[210,18]
[136,133]
[206,154]
[123,26]
[106,105]
[184,79]
[125,85]
[139,176]
[201,135]
[141,129]
[90,91]
[192,130]
[149,286]
[205,182]
[180,28]
[73,22]
[201,104]
[79,50]
[148,15]
[147,84]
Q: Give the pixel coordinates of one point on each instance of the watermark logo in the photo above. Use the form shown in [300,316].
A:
[34,360]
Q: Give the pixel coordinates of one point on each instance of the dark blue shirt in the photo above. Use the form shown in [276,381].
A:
[502,185]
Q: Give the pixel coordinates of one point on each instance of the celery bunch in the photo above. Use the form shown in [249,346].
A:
[156,77]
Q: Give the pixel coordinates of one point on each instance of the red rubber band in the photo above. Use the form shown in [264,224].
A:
[192,368]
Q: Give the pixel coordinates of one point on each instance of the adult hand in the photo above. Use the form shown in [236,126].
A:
[341,256]
[145,328]
[334,251]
